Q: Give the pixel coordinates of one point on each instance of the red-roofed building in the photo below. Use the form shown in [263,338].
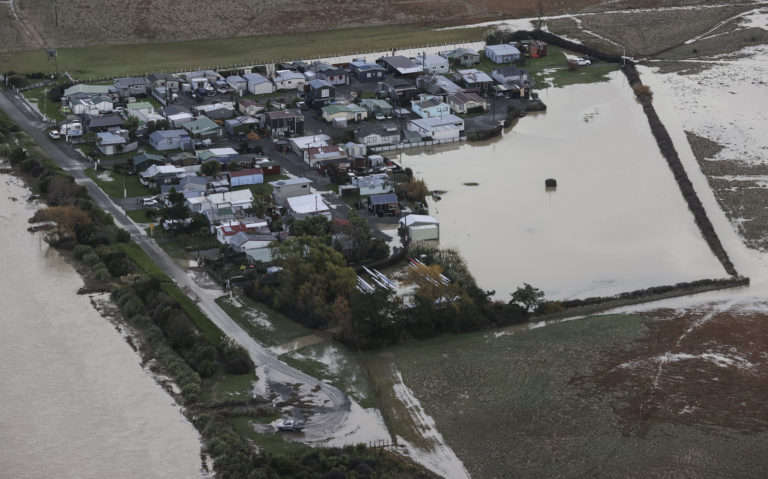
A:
[319,156]
[226,231]
[251,176]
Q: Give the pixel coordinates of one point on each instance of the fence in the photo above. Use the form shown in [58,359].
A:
[401,146]
[246,64]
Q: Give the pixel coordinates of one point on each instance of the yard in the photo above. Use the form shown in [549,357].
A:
[39,97]
[116,185]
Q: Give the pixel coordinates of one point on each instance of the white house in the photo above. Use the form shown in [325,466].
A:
[449,127]
[289,80]
[140,107]
[433,63]
[301,207]
[378,136]
[504,53]
[284,189]
[96,105]
[258,84]
[229,199]
[462,103]
[111,144]
[375,184]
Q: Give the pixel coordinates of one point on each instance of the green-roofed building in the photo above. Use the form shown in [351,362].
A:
[374,106]
[348,112]
[203,128]
[92,90]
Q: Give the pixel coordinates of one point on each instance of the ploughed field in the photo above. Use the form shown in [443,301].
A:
[664,393]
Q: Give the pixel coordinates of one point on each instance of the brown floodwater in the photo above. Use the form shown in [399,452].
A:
[616,221]
[75,401]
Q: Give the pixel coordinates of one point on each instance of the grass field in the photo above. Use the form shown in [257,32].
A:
[114,188]
[99,61]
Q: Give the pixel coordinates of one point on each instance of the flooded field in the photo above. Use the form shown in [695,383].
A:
[76,403]
[672,393]
[616,221]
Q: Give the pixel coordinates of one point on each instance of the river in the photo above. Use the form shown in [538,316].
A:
[616,221]
[76,402]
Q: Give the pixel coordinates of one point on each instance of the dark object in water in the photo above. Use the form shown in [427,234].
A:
[550,183]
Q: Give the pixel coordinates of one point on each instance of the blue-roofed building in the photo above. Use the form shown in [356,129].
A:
[384,204]
[163,140]
[320,93]
[367,72]
[504,53]
[111,144]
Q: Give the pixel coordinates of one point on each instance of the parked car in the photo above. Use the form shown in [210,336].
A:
[290,425]
[583,62]
[379,116]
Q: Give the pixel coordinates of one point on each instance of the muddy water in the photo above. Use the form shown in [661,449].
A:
[616,221]
[75,401]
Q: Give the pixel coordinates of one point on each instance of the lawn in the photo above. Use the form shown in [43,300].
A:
[97,62]
[114,188]
[263,323]
[140,216]
[138,256]
[50,109]
[551,70]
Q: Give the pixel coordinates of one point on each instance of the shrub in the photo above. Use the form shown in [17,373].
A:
[642,90]
[91,259]
[235,358]
[122,236]
[102,273]
[81,250]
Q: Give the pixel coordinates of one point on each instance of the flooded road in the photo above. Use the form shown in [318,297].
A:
[75,401]
[616,221]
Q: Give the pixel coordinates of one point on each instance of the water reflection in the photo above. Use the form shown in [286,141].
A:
[616,221]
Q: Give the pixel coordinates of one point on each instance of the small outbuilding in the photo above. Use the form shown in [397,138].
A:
[420,228]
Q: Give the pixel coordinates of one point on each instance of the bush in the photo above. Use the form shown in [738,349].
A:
[81,250]
[91,259]
[235,358]
[642,90]
[122,236]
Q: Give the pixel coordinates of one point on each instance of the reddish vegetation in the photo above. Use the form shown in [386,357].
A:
[723,384]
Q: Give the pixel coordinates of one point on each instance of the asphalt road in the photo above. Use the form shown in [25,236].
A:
[325,421]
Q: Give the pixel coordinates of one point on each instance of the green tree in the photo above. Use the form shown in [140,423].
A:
[311,226]
[258,207]
[176,211]
[313,275]
[210,167]
[527,296]
[131,124]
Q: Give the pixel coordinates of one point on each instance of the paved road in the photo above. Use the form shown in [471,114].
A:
[336,405]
